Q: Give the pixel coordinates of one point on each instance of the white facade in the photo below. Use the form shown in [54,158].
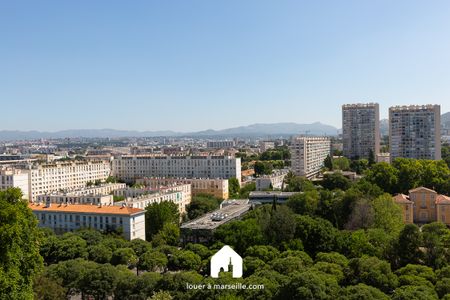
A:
[308,155]
[360,130]
[129,168]
[66,217]
[266,145]
[415,131]
[75,199]
[274,181]
[10,178]
[141,198]
[50,178]
[220,144]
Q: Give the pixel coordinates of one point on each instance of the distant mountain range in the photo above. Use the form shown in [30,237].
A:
[274,129]
[242,131]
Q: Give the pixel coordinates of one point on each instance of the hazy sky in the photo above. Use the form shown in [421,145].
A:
[193,65]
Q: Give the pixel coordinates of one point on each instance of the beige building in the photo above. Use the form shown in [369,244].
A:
[14,178]
[55,177]
[308,155]
[128,168]
[66,217]
[415,131]
[141,198]
[214,187]
[424,206]
[360,130]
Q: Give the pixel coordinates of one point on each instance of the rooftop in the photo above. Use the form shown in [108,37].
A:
[231,209]
[81,208]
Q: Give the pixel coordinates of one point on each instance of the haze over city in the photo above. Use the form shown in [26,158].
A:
[195,65]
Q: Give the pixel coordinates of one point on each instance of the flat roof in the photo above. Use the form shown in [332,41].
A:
[82,208]
[233,210]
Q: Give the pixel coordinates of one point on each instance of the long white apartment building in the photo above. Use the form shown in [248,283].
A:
[69,198]
[214,187]
[49,178]
[102,189]
[67,217]
[415,131]
[14,178]
[141,198]
[308,155]
[129,168]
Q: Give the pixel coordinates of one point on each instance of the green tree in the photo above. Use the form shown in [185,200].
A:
[124,256]
[434,235]
[385,176]
[185,260]
[387,214]
[371,159]
[158,214]
[48,289]
[341,163]
[153,261]
[328,162]
[362,291]
[20,260]
[263,168]
[233,187]
[336,181]
[408,246]
[310,285]
[200,205]
[100,254]
[372,271]
[409,292]
[305,203]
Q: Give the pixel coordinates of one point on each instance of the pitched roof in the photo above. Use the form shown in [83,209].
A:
[442,199]
[402,198]
[81,208]
[421,188]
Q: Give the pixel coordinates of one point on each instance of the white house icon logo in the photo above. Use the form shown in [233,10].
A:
[228,260]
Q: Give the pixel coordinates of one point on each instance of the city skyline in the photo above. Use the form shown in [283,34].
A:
[197,66]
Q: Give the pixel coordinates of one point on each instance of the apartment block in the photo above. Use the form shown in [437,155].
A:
[141,198]
[67,217]
[129,168]
[14,178]
[308,155]
[214,187]
[415,131]
[220,144]
[55,177]
[360,130]
[424,205]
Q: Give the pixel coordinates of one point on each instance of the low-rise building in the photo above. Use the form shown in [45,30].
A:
[141,198]
[427,206]
[270,196]
[272,181]
[14,178]
[214,187]
[66,217]
[70,198]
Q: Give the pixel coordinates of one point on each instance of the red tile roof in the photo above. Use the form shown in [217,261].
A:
[421,188]
[402,198]
[81,208]
[442,199]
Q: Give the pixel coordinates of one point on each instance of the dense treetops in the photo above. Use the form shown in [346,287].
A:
[334,240]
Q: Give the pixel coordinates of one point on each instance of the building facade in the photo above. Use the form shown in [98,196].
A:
[66,217]
[14,178]
[50,178]
[220,144]
[129,168]
[308,155]
[274,181]
[424,205]
[360,130]
[214,187]
[141,198]
[415,132]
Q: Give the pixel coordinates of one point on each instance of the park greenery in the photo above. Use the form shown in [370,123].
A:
[334,239]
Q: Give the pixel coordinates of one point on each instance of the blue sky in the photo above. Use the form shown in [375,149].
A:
[193,65]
